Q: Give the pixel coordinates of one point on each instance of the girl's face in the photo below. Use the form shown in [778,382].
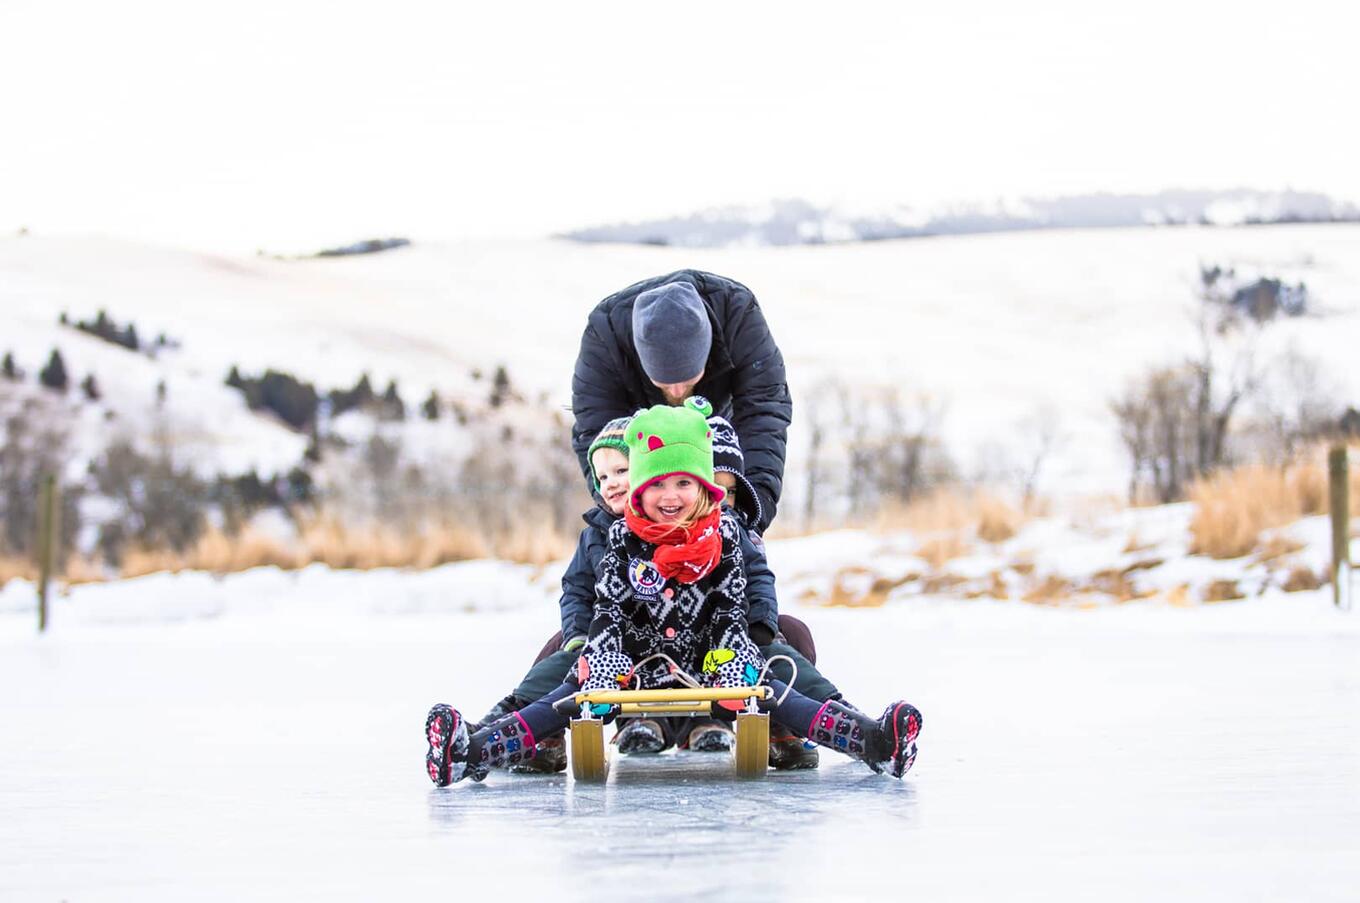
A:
[671,499]
[611,471]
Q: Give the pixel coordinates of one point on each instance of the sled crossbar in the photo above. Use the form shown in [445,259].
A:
[686,694]
[665,709]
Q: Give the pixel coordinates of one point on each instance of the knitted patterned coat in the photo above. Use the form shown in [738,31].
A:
[638,613]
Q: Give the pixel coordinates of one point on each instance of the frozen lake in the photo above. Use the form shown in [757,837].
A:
[1135,753]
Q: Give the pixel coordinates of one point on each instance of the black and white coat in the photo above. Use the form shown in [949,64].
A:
[638,614]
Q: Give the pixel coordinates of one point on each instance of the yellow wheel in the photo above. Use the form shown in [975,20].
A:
[753,744]
[587,750]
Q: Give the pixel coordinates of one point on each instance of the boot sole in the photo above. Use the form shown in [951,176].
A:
[441,729]
[904,747]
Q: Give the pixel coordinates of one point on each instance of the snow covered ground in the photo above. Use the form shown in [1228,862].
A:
[259,737]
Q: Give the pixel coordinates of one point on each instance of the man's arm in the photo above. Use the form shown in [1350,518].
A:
[761,405]
[762,605]
[578,591]
[597,396]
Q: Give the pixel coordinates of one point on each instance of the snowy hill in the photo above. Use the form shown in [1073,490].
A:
[799,222]
[992,326]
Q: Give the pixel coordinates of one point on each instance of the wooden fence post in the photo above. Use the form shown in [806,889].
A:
[1339,494]
[48,533]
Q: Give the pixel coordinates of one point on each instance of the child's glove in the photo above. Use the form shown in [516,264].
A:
[739,667]
[604,671]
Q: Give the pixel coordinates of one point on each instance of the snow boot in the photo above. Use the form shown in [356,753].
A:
[839,727]
[499,710]
[447,735]
[640,736]
[900,724]
[504,743]
[550,757]
[710,735]
[789,752]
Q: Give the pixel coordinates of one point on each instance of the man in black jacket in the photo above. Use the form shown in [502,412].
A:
[687,333]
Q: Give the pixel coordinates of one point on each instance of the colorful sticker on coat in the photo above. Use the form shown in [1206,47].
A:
[644,576]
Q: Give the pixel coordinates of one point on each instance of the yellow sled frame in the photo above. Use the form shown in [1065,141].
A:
[589,761]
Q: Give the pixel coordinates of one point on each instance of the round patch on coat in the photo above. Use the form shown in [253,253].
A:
[644,576]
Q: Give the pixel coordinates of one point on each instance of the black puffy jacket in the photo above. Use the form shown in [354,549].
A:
[743,379]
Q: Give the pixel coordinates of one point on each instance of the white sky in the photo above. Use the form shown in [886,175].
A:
[287,125]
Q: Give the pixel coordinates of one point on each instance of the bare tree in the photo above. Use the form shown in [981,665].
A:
[1038,437]
[35,444]
[1297,402]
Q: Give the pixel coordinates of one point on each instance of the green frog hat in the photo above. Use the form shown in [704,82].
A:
[663,440]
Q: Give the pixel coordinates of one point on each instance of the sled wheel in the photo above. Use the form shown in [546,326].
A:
[753,744]
[587,750]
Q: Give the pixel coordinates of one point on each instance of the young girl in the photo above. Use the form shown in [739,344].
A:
[672,581]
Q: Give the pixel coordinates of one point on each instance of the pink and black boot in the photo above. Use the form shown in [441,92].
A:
[447,734]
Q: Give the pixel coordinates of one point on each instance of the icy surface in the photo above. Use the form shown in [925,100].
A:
[1130,753]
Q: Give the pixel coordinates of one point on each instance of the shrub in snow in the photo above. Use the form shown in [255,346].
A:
[157,503]
[359,397]
[294,401]
[430,407]
[53,376]
[34,446]
[501,390]
[104,327]
[392,407]
[9,370]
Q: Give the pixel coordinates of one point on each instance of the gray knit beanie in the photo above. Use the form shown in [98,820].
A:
[671,332]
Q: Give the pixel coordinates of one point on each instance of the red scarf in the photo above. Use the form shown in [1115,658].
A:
[685,554]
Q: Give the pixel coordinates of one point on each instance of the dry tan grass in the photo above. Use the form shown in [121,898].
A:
[334,543]
[937,552]
[84,570]
[958,511]
[1178,596]
[996,588]
[997,521]
[934,584]
[1052,590]
[1234,507]
[844,594]
[1222,591]
[1135,544]
[1277,547]
[1116,583]
[1301,578]
[16,568]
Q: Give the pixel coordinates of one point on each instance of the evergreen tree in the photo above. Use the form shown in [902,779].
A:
[293,400]
[431,406]
[53,376]
[90,387]
[393,408]
[500,387]
[234,378]
[8,369]
[361,396]
[363,391]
